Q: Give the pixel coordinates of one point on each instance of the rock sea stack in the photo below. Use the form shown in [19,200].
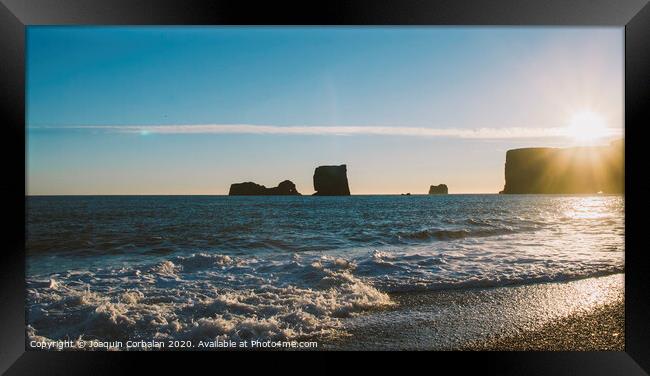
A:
[440,189]
[285,188]
[591,169]
[331,181]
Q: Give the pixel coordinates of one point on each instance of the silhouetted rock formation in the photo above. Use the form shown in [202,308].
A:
[571,170]
[331,181]
[286,188]
[440,189]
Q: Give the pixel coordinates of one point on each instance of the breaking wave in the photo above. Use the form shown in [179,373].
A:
[189,298]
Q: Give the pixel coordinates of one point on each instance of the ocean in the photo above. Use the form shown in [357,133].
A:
[292,267]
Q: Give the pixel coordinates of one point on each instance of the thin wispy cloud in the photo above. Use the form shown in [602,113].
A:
[471,133]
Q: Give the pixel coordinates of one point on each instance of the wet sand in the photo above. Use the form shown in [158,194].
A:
[582,315]
[601,330]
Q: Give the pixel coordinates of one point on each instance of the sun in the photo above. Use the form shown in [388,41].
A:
[586,127]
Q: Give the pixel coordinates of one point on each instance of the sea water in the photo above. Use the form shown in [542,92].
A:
[277,267]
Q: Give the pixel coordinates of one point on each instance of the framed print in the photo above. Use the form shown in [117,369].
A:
[462,179]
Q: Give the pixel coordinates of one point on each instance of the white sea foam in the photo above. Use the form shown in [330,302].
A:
[195,308]
[166,269]
[215,297]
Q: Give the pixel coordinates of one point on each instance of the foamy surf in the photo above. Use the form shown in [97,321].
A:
[208,297]
[166,302]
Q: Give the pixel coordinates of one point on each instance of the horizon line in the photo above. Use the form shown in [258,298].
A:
[225,194]
[311,195]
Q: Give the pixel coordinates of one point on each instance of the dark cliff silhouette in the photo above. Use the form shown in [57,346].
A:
[440,189]
[286,188]
[331,181]
[591,169]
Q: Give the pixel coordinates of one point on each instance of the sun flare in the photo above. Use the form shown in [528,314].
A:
[586,127]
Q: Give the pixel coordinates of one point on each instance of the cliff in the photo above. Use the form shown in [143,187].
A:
[569,170]
[331,181]
[440,189]
[251,189]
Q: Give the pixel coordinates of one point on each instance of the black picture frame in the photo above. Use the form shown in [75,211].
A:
[634,15]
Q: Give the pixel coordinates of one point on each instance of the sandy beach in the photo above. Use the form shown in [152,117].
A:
[599,330]
[583,315]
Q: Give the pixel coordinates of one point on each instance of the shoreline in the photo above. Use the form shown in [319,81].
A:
[579,315]
[602,329]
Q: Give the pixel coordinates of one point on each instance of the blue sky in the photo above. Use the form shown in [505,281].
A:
[178,110]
